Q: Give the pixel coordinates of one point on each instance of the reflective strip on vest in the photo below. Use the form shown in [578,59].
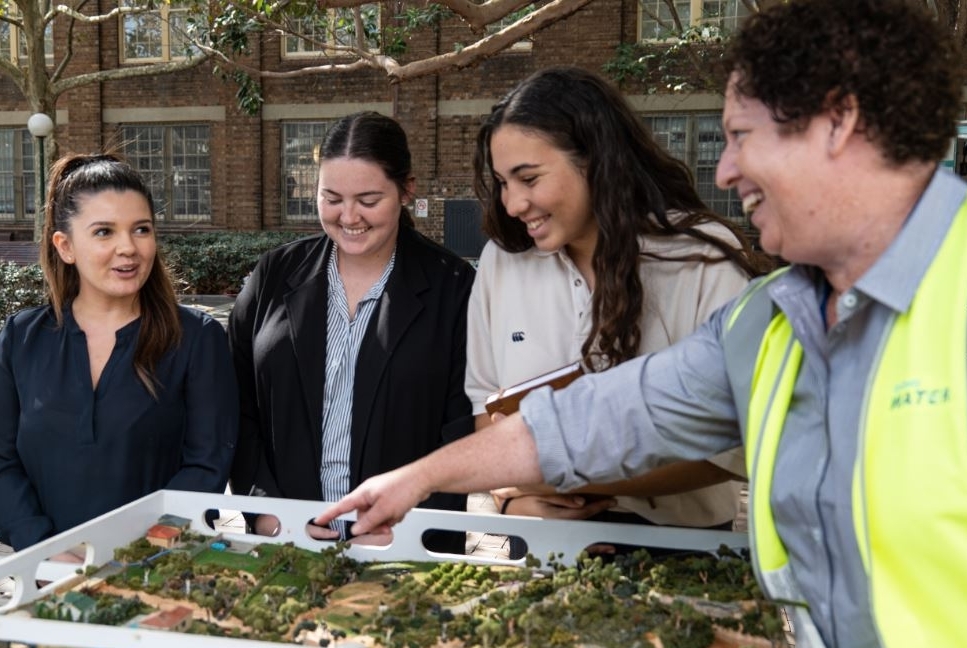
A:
[776,368]
[910,483]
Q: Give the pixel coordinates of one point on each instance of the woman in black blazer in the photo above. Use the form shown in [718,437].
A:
[350,346]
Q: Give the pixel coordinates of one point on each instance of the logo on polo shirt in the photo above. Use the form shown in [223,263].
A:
[517,336]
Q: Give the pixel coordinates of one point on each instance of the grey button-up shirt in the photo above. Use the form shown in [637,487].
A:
[678,403]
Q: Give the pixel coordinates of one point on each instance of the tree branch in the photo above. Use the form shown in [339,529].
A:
[485,47]
[114,74]
[751,5]
[113,13]
[477,15]
[15,73]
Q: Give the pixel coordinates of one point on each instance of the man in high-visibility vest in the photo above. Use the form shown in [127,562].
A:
[844,374]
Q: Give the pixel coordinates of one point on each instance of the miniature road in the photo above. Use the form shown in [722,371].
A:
[160,602]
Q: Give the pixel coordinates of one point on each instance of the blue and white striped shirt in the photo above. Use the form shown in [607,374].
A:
[343,339]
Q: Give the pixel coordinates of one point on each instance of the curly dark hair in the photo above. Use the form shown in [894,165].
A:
[633,185]
[806,56]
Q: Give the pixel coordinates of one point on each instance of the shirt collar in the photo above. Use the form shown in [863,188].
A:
[895,276]
[374,292]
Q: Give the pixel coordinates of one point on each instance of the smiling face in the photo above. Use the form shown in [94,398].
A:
[777,174]
[360,207]
[112,245]
[541,185]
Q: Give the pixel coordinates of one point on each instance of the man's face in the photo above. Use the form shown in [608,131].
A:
[775,172]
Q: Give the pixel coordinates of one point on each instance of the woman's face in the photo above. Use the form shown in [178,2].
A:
[359,207]
[541,185]
[111,243]
[775,173]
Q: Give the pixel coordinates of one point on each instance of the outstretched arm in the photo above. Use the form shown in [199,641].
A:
[502,454]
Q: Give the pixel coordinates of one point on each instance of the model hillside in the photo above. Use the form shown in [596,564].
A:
[177,581]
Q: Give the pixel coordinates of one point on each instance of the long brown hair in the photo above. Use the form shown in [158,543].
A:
[633,185]
[71,178]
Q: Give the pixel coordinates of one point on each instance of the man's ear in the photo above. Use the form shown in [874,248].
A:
[62,243]
[844,117]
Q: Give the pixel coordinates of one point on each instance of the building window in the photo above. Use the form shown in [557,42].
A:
[160,34]
[697,140]
[17,180]
[327,32]
[13,45]
[713,17]
[176,164]
[300,170]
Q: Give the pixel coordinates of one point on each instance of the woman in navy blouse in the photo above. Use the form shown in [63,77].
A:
[112,390]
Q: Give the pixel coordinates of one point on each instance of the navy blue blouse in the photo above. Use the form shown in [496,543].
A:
[69,453]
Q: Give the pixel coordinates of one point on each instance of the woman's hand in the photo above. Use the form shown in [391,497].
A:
[266,525]
[66,557]
[564,507]
[325,533]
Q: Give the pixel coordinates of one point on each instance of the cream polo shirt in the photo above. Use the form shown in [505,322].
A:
[530,312]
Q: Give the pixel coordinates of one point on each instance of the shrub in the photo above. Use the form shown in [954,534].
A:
[210,263]
[214,263]
[20,287]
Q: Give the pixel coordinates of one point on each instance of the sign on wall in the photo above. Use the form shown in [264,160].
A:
[422,207]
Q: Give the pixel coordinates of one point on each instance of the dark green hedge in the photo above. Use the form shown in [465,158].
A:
[212,263]
[20,287]
[216,263]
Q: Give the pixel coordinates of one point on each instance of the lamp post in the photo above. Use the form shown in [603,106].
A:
[40,126]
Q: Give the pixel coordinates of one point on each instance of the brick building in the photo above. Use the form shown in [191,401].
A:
[212,166]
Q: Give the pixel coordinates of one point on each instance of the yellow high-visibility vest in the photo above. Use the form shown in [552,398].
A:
[909,495]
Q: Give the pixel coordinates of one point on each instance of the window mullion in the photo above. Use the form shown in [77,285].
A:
[165,14]
[691,143]
[169,173]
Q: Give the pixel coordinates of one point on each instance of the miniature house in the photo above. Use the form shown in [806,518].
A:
[176,619]
[78,605]
[161,535]
[174,521]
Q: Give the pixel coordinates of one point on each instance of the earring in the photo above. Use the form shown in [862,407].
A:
[69,259]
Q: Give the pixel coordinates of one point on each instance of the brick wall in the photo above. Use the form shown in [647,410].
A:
[441,114]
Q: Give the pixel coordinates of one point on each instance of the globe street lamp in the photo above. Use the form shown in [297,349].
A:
[40,126]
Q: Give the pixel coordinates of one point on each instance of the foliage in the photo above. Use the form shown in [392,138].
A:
[412,19]
[612,602]
[211,263]
[21,286]
[223,32]
[683,64]
[114,610]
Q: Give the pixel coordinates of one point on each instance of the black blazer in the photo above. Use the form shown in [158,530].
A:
[408,396]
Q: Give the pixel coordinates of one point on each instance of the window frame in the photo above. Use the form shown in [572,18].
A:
[172,192]
[696,19]
[164,15]
[699,143]
[21,174]
[327,46]
[13,45]
[306,158]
